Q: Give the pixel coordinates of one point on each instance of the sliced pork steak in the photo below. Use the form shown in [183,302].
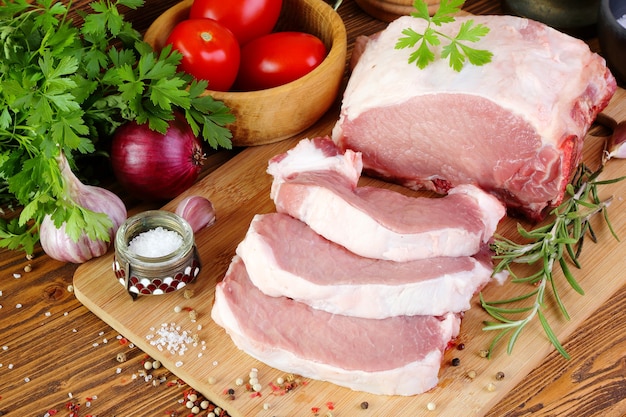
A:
[395,356]
[285,257]
[515,127]
[317,184]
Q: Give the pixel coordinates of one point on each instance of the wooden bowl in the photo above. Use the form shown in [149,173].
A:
[389,10]
[278,113]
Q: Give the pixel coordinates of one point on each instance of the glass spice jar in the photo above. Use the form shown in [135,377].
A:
[146,275]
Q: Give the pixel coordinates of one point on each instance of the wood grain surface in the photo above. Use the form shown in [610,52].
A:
[54,352]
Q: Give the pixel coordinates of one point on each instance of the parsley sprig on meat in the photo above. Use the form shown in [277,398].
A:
[64,88]
[456,50]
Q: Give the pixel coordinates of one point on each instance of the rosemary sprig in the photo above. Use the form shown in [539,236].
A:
[558,242]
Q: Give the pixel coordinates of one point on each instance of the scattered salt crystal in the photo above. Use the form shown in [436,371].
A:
[179,364]
[27,379]
[155,242]
[622,21]
[10,366]
[47,314]
[5,347]
[17,276]
[18,305]
[118,371]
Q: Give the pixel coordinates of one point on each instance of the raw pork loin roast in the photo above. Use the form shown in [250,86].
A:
[514,127]
[309,305]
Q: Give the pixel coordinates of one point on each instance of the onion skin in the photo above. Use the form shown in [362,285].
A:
[198,211]
[155,166]
[55,241]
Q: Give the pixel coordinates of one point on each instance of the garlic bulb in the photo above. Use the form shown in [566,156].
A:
[55,241]
[198,211]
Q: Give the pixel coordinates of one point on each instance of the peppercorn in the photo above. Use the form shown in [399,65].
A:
[460,346]
[499,375]
[365,405]
[456,362]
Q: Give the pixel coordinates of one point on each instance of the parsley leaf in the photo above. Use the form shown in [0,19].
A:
[457,51]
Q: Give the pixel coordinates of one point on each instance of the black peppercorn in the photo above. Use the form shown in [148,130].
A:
[456,362]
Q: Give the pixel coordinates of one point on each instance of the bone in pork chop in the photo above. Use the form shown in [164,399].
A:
[317,184]
[284,257]
[515,126]
[347,351]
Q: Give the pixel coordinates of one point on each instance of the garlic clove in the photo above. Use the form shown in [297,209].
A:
[616,147]
[198,211]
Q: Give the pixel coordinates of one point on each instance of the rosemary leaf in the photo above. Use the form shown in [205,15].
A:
[551,336]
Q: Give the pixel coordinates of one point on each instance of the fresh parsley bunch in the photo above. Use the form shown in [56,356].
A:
[457,49]
[64,87]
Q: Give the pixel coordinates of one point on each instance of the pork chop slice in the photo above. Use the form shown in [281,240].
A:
[514,127]
[395,356]
[284,257]
[317,183]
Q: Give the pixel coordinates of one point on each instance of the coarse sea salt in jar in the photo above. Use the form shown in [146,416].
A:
[155,253]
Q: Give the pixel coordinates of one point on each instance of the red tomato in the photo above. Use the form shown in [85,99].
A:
[210,51]
[277,59]
[247,19]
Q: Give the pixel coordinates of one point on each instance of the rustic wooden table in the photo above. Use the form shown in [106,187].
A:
[56,357]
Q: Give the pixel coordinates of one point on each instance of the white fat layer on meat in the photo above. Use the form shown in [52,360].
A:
[411,379]
[305,156]
[515,79]
[450,292]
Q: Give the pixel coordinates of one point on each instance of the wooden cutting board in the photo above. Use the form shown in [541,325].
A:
[239,190]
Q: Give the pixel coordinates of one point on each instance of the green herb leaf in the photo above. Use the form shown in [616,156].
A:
[457,50]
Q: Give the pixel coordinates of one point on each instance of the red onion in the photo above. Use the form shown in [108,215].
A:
[156,166]
[55,241]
